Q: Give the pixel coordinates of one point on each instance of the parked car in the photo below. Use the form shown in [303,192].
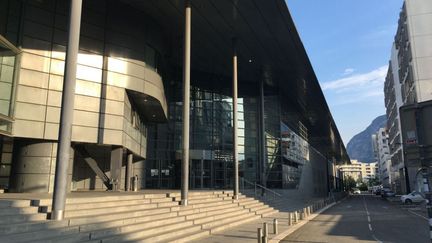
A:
[413,197]
[387,192]
[356,191]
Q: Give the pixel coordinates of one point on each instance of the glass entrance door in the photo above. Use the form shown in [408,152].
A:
[201,171]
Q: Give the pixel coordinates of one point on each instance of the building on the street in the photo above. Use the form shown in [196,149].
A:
[359,171]
[393,101]
[146,107]
[369,171]
[409,81]
[382,154]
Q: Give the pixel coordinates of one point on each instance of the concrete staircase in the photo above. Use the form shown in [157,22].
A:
[131,217]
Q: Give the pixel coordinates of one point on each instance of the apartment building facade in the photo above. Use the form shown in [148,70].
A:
[382,154]
[409,81]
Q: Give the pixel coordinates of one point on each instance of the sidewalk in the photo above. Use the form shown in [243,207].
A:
[248,232]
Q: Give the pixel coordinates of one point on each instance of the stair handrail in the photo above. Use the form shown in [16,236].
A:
[260,186]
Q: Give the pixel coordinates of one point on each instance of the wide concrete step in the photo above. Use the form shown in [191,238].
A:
[21,218]
[258,207]
[109,217]
[197,193]
[177,233]
[190,236]
[190,197]
[205,200]
[160,200]
[155,234]
[14,203]
[215,217]
[92,205]
[212,211]
[229,223]
[157,195]
[18,210]
[93,199]
[104,210]
[248,202]
[266,212]
[39,235]
[72,238]
[31,226]
[252,204]
[121,222]
[217,224]
[198,208]
[106,232]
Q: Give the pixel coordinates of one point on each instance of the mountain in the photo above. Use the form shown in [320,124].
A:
[360,146]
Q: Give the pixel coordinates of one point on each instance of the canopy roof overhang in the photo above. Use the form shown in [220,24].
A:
[268,47]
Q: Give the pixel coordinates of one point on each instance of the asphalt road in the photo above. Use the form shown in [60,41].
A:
[364,218]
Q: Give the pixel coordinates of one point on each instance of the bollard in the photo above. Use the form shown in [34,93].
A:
[135,183]
[295,217]
[289,219]
[301,214]
[265,229]
[265,233]
[275,226]
[259,235]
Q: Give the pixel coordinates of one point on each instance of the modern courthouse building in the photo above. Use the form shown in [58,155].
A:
[408,82]
[153,98]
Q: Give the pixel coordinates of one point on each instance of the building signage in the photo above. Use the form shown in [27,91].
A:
[411,137]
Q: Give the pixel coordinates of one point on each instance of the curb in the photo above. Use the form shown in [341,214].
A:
[297,226]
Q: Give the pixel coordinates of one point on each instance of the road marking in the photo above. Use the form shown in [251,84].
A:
[369,221]
[421,216]
[349,206]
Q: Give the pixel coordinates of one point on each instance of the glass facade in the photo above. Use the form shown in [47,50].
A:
[211,142]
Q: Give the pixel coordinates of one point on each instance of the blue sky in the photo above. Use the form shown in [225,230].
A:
[349,43]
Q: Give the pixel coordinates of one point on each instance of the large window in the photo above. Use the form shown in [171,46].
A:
[8,55]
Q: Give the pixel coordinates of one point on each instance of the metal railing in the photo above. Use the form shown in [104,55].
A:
[256,188]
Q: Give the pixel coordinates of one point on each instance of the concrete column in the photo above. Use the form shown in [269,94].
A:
[129,172]
[262,141]
[235,123]
[186,105]
[33,166]
[66,114]
[115,167]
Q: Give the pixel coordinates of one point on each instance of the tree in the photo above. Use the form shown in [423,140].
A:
[374,181]
[363,187]
[349,183]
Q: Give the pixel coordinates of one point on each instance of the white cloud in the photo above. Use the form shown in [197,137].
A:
[357,88]
[373,77]
[348,71]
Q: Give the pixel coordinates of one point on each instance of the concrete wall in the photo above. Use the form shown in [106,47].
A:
[33,167]
[111,60]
